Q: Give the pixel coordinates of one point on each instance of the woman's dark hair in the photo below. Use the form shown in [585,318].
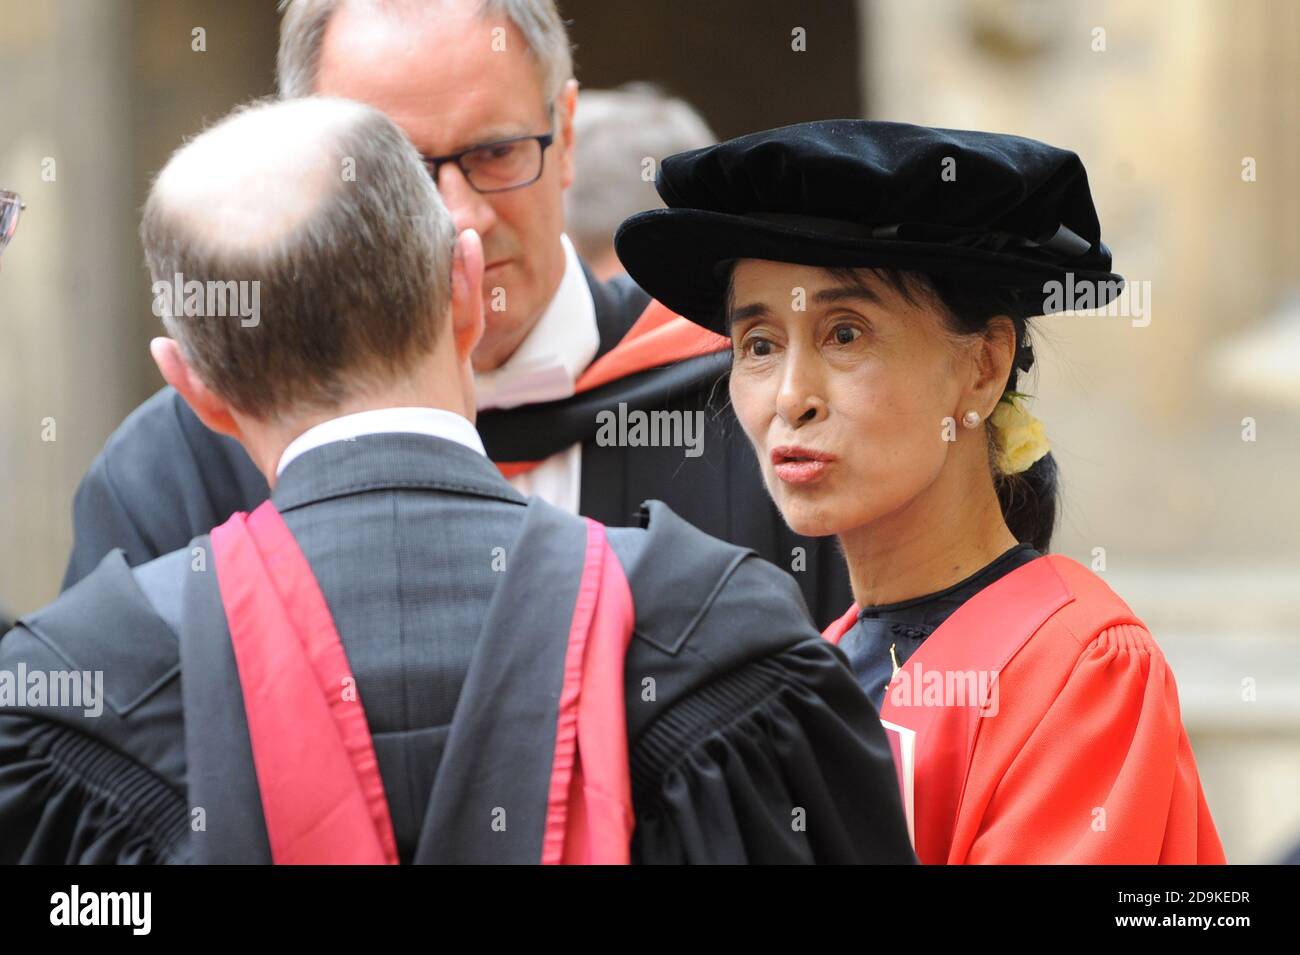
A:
[1029,499]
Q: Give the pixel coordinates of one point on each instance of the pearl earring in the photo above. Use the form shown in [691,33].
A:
[971,419]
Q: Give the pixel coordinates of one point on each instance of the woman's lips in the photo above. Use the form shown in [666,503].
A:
[796,465]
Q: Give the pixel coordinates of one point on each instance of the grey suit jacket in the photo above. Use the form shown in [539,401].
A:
[406,536]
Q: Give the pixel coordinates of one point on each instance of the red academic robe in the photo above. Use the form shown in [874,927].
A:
[1043,727]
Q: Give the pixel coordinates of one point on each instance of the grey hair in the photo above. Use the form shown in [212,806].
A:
[621,135]
[350,296]
[302,34]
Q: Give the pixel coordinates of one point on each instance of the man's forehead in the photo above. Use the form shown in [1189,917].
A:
[447,77]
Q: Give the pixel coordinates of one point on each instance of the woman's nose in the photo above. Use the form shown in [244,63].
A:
[801,400]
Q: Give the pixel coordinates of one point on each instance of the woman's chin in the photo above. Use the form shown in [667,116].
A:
[812,520]
[814,509]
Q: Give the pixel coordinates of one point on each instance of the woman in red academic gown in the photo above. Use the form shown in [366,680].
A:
[877,281]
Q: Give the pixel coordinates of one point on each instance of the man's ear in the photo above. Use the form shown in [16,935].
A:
[565,106]
[467,293]
[212,410]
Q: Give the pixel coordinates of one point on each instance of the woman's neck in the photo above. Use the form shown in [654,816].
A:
[942,536]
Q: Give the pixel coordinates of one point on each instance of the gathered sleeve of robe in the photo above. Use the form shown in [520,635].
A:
[68,798]
[1103,775]
[799,772]
[76,785]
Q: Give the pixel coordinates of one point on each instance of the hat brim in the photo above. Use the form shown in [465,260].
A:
[682,258]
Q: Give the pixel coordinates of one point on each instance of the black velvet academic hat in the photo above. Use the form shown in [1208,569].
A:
[1001,210]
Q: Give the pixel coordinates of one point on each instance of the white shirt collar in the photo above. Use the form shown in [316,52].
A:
[435,422]
[547,363]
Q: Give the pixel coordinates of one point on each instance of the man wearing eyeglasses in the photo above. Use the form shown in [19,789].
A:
[485,91]
[10,207]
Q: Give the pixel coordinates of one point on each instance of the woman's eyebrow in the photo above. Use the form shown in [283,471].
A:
[756,310]
[847,293]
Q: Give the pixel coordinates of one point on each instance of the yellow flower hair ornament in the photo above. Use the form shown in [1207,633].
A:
[1019,437]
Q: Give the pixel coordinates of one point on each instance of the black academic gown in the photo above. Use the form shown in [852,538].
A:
[758,746]
[163,478]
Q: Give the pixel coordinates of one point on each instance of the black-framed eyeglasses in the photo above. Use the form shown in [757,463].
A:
[498,167]
[11,204]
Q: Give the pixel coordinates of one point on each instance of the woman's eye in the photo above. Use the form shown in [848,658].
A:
[845,334]
[756,347]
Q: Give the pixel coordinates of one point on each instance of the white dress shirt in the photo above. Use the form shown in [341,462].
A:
[435,422]
[545,367]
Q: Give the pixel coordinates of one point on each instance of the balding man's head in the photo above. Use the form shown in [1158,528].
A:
[323,208]
[227,187]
